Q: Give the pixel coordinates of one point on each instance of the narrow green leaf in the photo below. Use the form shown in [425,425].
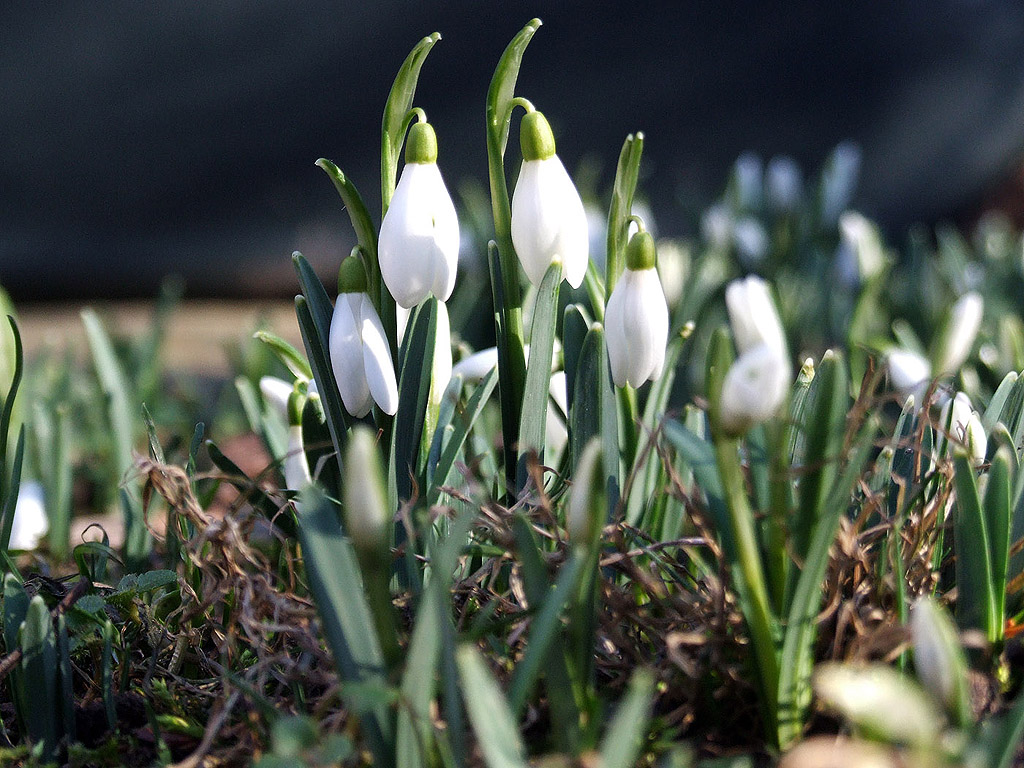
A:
[533,420]
[543,631]
[9,504]
[327,387]
[400,101]
[419,679]
[976,603]
[416,361]
[107,672]
[39,669]
[998,402]
[997,511]
[1006,737]
[496,731]
[626,174]
[463,422]
[15,609]
[624,739]
[66,693]
[594,411]
[7,411]
[334,579]
[366,232]
[287,354]
[575,325]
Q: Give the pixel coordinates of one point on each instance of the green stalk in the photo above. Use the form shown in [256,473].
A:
[508,297]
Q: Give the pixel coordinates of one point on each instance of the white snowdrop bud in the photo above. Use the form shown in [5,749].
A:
[418,246]
[754,389]
[548,218]
[956,337]
[909,372]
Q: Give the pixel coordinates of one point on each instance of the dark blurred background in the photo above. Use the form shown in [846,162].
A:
[140,139]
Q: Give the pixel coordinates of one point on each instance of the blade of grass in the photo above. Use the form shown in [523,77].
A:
[976,603]
[39,671]
[496,731]
[626,174]
[533,420]
[417,358]
[624,739]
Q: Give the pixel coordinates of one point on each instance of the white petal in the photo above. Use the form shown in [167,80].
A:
[442,367]
[379,369]
[548,220]
[752,315]
[276,393]
[30,523]
[754,388]
[347,355]
[616,337]
[908,371]
[296,469]
[477,365]
[965,320]
[418,246]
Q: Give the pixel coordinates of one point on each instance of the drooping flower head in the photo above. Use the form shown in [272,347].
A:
[548,218]
[360,354]
[418,246]
[636,318]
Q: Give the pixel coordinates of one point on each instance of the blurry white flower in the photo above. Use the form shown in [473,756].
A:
[282,397]
[756,385]
[753,317]
[548,218]
[295,467]
[359,349]
[673,269]
[477,365]
[30,523]
[838,181]
[754,389]
[957,335]
[597,231]
[860,255]
[964,426]
[716,226]
[636,318]
[784,183]
[747,174]
[555,433]
[365,494]
[751,240]
[418,246]
[909,372]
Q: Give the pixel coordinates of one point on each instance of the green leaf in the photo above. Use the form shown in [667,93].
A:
[9,504]
[335,580]
[626,174]
[15,609]
[107,672]
[419,679]
[1005,738]
[824,428]
[533,420]
[997,509]
[998,402]
[624,739]
[66,693]
[594,413]
[7,411]
[151,580]
[416,360]
[976,602]
[327,386]
[543,630]
[463,423]
[575,325]
[39,668]
[496,731]
[287,354]
[400,101]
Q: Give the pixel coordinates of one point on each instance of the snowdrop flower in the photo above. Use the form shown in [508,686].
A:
[30,523]
[747,176]
[288,403]
[962,424]
[838,181]
[477,365]
[359,349]
[753,317]
[909,372]
[956,338]
[441,372]
[860,255]
[757,383]
[548,218]
[636,318]
[751,240]
[418,246]
[673,268]
[716,226]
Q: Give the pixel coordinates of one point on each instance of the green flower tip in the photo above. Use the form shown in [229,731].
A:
[535,137]
[352,276]
[296,401]
[421,146]
[640,253]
